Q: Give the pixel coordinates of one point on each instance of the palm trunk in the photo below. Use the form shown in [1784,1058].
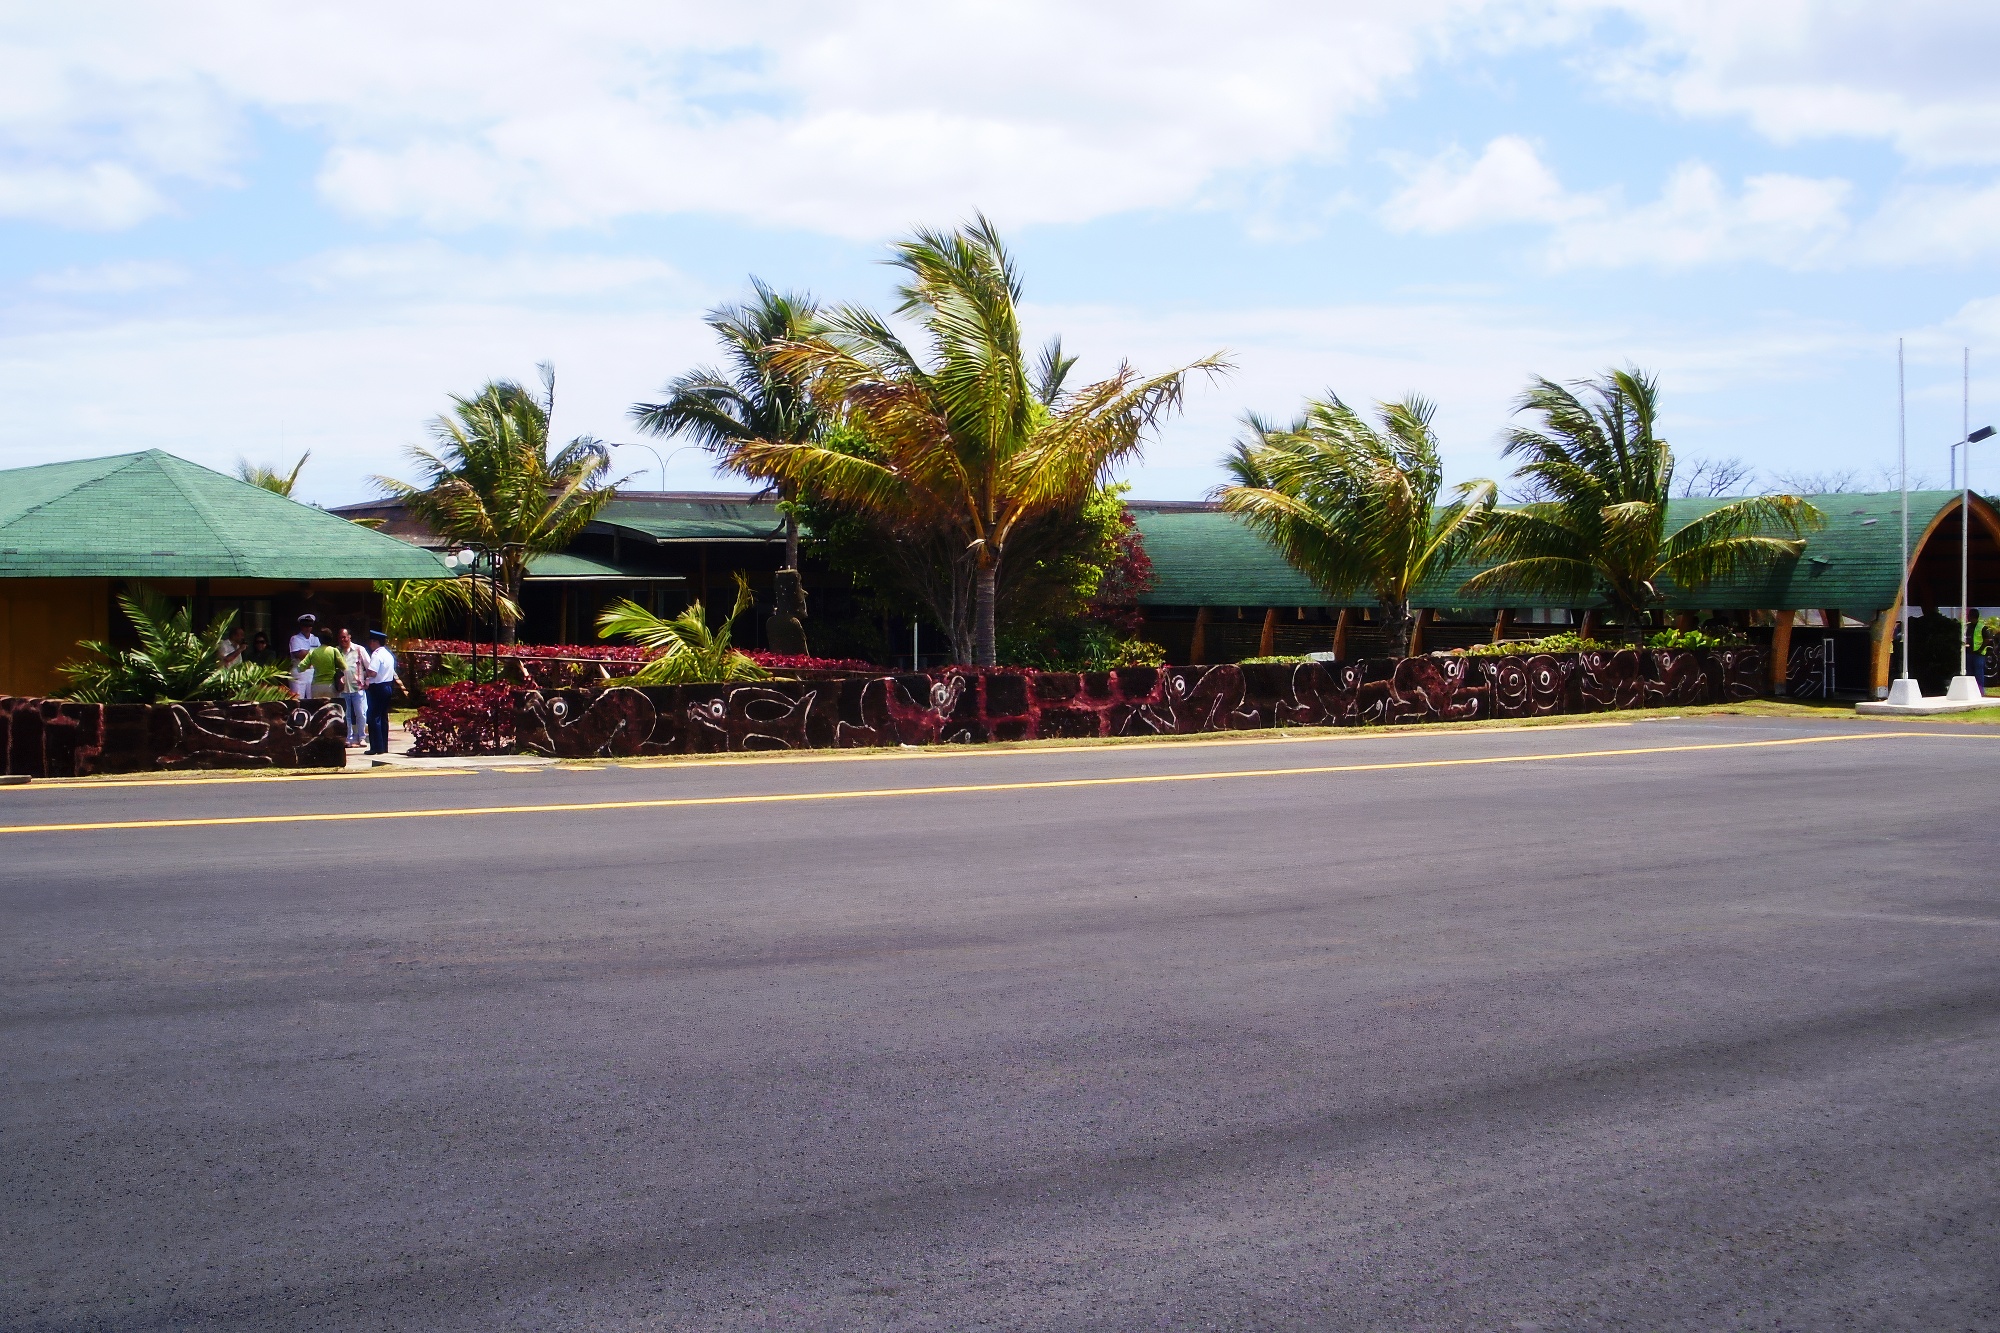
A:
[513,572]
[791,542]
[985,651]
[1396,620]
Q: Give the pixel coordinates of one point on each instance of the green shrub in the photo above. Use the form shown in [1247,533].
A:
[172,664]
[1566,642]
[1279,660]
[1694,638]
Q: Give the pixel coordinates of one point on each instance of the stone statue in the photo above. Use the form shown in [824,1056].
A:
[785,631]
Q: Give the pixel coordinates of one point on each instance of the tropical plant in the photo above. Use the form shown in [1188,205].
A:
[494,481]
[421,608]
[1600,477]
[754,400]
[1353,507]
[969,441]
[174,662]
[689,651]
[269,478]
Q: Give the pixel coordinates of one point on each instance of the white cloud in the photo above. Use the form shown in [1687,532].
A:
[1508,183]
[1786,220]
[96,195]
[113,279]
[430,271]
[1789,221]
[849,119]
[1917,74]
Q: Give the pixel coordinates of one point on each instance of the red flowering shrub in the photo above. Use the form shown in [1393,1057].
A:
[796,662]
[465,719]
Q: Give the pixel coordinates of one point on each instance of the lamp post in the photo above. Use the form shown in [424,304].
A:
[1969,438]
[466,561]
[634,444]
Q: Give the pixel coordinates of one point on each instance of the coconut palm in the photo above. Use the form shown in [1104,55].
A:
[424,608]
[688,651]
[1598,478]
[269,478]
[174,663]
[969,438]
[1354,507]
[753,401]
[494,481]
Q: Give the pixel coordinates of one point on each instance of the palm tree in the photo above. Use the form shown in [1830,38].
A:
[1353,507]
[689,652]
[174,663]
[493,480]
[968,438]
[269,478]
[422,608]
[753,401]
[1598,478]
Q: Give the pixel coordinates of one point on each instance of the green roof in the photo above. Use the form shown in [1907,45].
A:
[1208,558]
[1202,557]
[684,519]
[152,515]
[574,568]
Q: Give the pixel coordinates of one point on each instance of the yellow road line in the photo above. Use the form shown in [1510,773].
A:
[779,798]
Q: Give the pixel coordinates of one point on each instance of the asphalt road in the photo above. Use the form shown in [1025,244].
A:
[1431,1031]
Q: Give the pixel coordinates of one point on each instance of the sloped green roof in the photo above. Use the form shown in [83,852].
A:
[1208,558]
[152,515]
[566,566]
[689,519]
[1202,557]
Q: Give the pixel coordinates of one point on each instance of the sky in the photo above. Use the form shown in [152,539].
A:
[237,230]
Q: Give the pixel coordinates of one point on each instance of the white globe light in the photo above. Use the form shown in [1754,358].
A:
[467,557]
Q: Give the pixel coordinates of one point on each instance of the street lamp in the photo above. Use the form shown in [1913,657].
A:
[1963,685]
[633,444]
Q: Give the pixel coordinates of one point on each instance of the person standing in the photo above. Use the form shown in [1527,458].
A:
[353,687]
[305,638]
[381,667]
[323,671]
[229,651]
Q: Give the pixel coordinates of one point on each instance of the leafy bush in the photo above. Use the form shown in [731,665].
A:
[465,719]
[1694,638]
[684,650]
[1554,643]
[1281,659]
[172,664]
[1078,645]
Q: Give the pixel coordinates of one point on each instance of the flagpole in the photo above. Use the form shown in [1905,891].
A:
[1903,472]
[1965,521]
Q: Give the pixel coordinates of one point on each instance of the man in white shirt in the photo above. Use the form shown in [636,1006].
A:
[304,639]
[381,667]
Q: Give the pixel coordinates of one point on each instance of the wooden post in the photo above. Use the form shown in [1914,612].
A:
[1781,651]
[1684,620]
[1267,642]
[1882,649]
[1830,617]
[1340,636]
[1417,633]
[1587,629]
[1500,625]
[1198,650]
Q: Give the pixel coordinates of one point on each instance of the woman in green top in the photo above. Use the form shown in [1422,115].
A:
[327,667]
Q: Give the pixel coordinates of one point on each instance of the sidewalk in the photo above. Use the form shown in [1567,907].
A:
[399,756]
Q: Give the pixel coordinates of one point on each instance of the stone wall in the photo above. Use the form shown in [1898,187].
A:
[55,738]
[974,706]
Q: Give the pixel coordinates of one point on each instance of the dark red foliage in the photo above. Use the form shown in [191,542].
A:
[465,719]
[1126,579]
[588,652]
[794,662]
